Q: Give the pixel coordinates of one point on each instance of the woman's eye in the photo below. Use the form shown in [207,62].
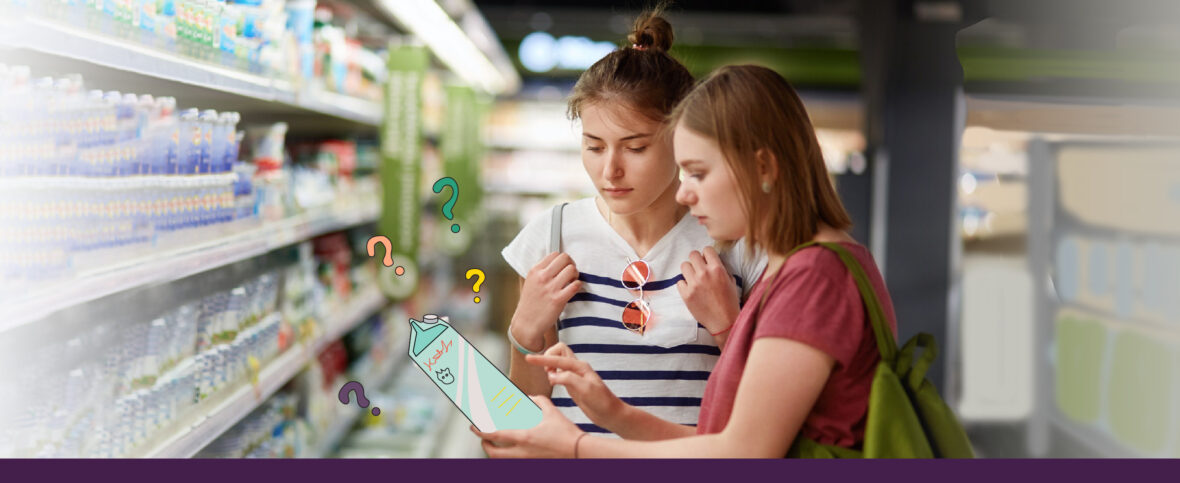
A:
[638,149]
[594,149]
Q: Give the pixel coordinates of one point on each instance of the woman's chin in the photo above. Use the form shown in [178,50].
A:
[719,235]
[620,206]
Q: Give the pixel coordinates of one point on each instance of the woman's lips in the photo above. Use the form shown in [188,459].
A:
[617,191]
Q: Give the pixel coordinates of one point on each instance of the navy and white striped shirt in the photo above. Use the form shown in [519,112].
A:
[663,371]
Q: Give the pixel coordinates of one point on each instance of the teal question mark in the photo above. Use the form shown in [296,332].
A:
[446,209]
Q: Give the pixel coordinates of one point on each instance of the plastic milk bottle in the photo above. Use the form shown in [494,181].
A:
[484,394]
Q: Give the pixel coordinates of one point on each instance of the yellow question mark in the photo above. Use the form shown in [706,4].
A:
[479,280]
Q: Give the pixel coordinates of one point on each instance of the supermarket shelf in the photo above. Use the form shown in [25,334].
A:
[227,410]
[335,433]
[433,441]
[457,441]
[89,50]
[228,407]
[1100,444]
[1156,327]
[170,265]
[342,426]
[339,105]
[361,306]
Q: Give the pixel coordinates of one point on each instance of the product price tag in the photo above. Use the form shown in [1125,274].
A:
[255,368]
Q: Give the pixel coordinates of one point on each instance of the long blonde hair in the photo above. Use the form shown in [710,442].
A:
[751,111]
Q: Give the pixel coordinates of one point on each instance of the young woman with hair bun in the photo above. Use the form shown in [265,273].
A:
[637,292]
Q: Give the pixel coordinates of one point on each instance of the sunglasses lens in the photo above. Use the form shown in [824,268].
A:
[635,316]
[635,275]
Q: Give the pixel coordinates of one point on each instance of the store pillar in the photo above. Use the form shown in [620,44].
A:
[906,202]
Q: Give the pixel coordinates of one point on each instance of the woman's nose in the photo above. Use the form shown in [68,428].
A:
[614,165]
[685,196]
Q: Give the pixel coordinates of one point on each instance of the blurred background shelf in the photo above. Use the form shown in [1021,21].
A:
[227,407]
[1073,440]
[330,439]
[175,264]
[56,49]
[360,306]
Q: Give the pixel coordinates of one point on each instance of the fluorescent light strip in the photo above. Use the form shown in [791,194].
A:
[427,20]
[481,33]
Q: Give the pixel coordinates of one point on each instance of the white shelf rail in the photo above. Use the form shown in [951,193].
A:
[53,38]
[174,264]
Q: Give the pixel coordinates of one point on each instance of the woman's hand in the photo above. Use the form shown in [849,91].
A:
[709,291]
[583,384]
[554,437]
[548,286]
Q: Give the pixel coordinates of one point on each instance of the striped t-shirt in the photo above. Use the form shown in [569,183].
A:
[662,371]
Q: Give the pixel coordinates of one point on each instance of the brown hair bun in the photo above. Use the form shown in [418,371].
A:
[651,31]
[643,77]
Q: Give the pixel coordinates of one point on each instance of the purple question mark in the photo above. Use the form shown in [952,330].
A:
[360,396]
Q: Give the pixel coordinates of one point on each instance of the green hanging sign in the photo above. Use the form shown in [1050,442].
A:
[401,168]
[461,148]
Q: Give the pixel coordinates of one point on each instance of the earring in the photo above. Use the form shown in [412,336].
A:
[766,187]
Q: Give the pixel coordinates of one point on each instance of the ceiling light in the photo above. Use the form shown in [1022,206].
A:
[427,21]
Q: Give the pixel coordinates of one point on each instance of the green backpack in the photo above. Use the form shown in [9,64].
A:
[906,416]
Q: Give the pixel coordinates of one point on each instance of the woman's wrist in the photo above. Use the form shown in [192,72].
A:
[732,319]
[577,442]
[525,342]
[617,415]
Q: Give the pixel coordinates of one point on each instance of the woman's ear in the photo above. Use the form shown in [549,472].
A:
[767,165]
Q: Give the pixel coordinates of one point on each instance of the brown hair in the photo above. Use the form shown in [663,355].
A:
[641,75]
[752,112]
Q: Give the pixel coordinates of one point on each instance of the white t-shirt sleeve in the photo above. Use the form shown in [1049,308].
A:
[530,245]
[749,268]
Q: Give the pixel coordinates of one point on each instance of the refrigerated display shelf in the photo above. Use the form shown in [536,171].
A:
[365,303]
[343,425]
[1158,327]
[458,442]
[335,433]
[228,407]
[1101,444]
[432,444]
[174,264]
[62,41]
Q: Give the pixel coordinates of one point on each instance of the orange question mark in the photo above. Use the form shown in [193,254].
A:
[388,261]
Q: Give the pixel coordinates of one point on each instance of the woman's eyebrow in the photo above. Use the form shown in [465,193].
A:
[685,163]
[628,138]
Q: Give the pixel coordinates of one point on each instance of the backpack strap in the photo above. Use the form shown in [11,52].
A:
[554,246]
[886,345]
[555,229]
[915,371]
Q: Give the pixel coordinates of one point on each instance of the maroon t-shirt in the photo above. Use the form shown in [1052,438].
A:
[814,301]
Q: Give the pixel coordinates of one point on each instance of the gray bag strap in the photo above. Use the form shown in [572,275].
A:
[555,229]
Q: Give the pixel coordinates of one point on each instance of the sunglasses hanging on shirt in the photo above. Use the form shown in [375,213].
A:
[637,313]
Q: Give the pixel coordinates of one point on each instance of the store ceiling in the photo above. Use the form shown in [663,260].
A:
[696,22]
[815,42]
